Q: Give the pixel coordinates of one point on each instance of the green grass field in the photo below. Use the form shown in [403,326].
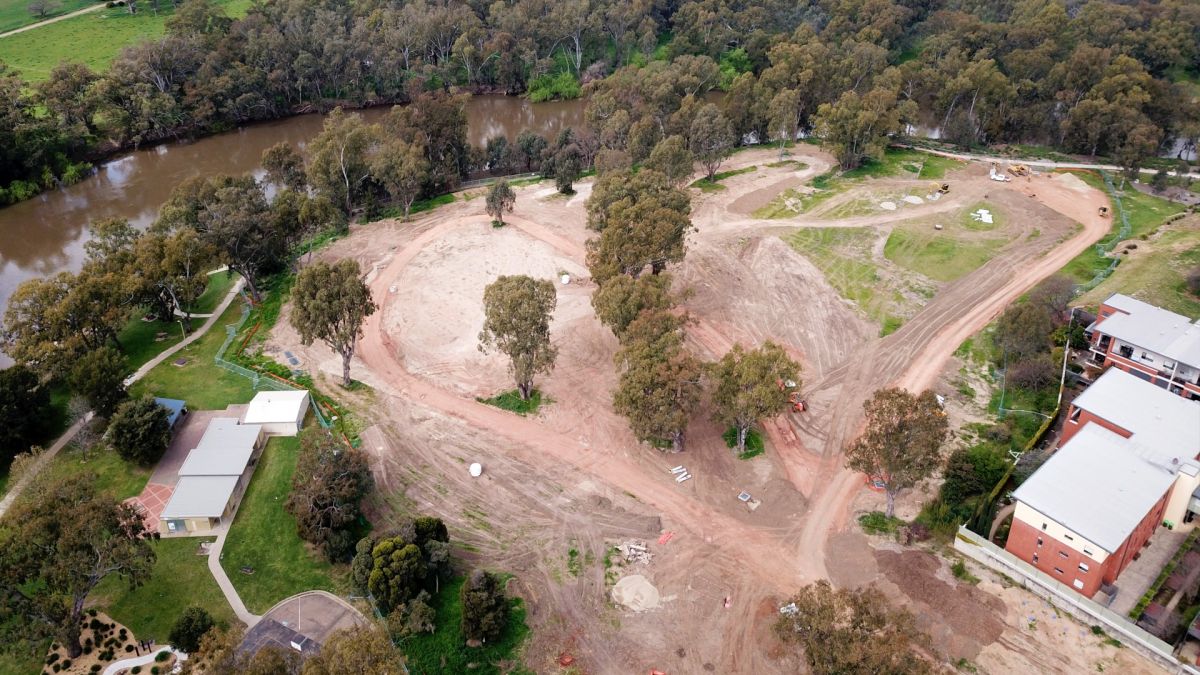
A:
[94,39]
[263,536]
[114,475]
[15,13]
[445,651]
[139,339]
[199,382]
[1158,275]
[180,579]
[938,255]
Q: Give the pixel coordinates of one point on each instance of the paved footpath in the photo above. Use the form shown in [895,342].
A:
[143,660]
[66,438]
[231,594]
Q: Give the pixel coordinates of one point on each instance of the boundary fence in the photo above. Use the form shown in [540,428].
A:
[260,381]
[1064,598]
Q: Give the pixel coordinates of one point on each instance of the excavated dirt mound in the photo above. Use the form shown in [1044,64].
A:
[636,592]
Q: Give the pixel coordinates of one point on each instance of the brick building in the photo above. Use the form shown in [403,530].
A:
[1126,463]
[1156,345]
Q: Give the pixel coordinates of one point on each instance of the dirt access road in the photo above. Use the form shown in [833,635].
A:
[574,473]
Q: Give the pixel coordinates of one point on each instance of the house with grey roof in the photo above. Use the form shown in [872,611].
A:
[1128,462]
[213,478]
[1151,343]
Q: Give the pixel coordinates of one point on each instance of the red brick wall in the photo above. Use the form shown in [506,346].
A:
[1023,543]
[1054,555]
[1070,428]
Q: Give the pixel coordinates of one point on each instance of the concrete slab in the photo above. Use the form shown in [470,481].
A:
[1141,573]
[314,615]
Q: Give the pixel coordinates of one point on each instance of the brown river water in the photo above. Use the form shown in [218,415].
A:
[45,235]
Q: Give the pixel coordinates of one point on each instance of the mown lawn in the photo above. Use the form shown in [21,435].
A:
[15,13]
[22,660]
[1159,274]
[263,537]
[113,474]
[94,39]
[139,339]
[199,381]
[445,651]
[180,579]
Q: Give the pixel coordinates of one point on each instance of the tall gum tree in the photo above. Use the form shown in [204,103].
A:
[330,303]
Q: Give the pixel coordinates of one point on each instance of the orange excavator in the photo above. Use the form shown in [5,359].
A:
[798,404]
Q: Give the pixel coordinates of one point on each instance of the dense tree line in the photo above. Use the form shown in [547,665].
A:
[1092,77]
[643,220]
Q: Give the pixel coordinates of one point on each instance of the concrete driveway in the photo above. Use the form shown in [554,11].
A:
[188,432]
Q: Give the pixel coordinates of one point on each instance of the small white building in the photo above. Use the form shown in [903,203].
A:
[281,413]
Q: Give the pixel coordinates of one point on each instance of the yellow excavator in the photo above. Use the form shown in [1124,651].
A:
[1018,169]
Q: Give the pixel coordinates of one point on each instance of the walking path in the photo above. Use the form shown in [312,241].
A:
[66,438]
[1045,163]
[69,15]
[231,594]
[145,659]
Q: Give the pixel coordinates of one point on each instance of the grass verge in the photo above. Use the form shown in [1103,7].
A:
[840,253]
[512,401]
[152,609]
[706,185]
[444,650]
[263,537]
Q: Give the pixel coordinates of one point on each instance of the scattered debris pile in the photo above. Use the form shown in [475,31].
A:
[635,551]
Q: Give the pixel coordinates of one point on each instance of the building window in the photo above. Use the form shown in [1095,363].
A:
[1087,552]
[1083,567]
[1075,414]
[1043,526]
[1062,554]
[1058,569]
[1068,537]
[1039,541]
[1078,585]
[1035,558]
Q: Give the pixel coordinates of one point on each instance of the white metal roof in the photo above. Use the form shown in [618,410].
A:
[1095,487]
[200,497]
[1165,426]
[224,449]
[276,406]
[1154,329]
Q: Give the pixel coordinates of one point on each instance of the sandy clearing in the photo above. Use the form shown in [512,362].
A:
[747,286]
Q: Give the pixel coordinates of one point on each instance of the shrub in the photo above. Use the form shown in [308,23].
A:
[153,670]
[135,670]
[188,629]
[959,568]
[560,86]
[95,667]
[876,522]
[1193,280]
[128,648]
[484,607]
[163,656]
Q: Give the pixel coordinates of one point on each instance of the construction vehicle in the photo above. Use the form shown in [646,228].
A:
[940,188]
[798,404]
[1018,169]
[1103,211]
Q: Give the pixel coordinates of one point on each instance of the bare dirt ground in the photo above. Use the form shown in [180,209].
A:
[573,477]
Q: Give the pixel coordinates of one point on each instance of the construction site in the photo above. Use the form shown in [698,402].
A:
[630,559]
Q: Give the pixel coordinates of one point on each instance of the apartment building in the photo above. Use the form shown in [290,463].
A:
[1127,463]
[1149,342]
